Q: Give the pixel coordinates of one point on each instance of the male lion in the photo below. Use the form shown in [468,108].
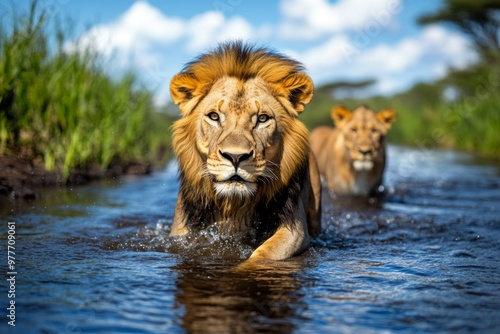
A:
[244,156]
[351,156]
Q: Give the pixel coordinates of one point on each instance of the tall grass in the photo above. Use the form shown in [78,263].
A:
[64,108]
[473,123]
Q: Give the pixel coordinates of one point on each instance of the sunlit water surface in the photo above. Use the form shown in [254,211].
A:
[97,259]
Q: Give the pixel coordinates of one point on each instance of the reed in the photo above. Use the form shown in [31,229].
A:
[64,109]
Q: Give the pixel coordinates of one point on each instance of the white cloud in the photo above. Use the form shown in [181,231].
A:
[211,27]
[425,56]
[131,37]
[202,27]
[343,35]
[142,29]
[330,54]
[392,58]
[309,19]
[150,41]
[434,43]
[237,28]
[144,21]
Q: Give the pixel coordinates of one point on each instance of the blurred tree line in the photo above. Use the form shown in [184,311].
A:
[461,110]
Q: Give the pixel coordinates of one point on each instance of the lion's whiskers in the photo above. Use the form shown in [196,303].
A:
[269,174]
[205,172]
[272,163]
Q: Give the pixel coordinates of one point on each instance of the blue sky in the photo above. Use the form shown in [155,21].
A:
[335,39]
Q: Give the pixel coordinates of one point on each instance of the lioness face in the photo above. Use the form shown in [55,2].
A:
[364,134]
[238,135]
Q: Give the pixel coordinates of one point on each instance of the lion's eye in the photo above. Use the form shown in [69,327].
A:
[374,130]
[263,118]
[354,130]
[213,116]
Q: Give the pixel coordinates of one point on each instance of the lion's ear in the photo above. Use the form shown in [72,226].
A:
[387,117]
[299,88]
[339,114]
[182,89]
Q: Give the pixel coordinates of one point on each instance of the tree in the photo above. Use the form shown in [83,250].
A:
[480,19]
[344,87]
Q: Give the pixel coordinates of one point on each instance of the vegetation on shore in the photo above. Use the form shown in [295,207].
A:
[64,110]
[460,111]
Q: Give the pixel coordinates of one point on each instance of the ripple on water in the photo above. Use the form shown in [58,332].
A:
[423,260]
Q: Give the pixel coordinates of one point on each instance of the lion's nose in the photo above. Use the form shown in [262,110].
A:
[365,151]
[236,158]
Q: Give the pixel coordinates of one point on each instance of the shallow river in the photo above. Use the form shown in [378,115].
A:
[97,259]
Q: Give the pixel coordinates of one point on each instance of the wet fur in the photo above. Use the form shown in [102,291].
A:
[274,216]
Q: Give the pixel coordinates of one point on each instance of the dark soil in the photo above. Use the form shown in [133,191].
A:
[23,178]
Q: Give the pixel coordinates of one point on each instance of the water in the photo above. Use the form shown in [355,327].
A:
[97,259]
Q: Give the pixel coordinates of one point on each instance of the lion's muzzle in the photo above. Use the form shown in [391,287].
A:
[363,158]
[234,178]
[236,158]
[362,165]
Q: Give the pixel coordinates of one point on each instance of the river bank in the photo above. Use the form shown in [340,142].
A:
[22,178]
[61,110]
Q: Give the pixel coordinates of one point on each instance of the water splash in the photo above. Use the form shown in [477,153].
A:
[213,243]
[210,243]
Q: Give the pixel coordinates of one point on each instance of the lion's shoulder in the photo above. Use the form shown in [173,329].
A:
[321,137]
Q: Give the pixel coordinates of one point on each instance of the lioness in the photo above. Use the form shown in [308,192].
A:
[351,156]
[244,156]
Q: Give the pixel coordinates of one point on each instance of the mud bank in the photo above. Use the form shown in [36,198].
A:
[22,178]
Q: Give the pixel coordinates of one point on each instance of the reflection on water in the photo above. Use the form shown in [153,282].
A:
[98,258]
[218,300]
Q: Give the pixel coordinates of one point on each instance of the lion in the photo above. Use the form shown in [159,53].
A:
[243,154]
[351,157]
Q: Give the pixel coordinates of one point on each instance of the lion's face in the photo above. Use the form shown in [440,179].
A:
[238,135]
[364,133]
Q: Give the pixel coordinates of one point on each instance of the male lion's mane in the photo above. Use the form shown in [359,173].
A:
[275,199]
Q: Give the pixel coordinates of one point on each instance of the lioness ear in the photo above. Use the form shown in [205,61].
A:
[339,114]
[387,117]
[299,88]
[182,89]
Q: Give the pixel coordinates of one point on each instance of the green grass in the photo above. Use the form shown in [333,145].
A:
[425,118]
[64,108]
[474,124]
